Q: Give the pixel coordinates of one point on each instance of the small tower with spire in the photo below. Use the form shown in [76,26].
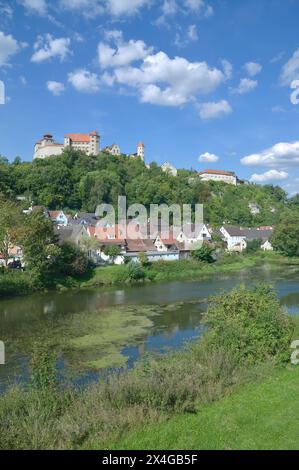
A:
[140,150]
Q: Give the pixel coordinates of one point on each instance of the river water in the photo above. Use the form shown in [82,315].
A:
[99,330]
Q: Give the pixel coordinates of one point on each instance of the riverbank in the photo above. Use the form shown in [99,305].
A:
[178,387]
[15,283]
[185,269]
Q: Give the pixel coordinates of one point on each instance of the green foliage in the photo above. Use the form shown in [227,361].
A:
[77,181]
[254,245]
[40,246]
[204,254]
[143,260]
[285,238]
[72,261]
[250,324]
[10,225]
[113,251]
[135,272]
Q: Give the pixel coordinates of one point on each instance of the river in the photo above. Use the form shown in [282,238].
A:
[100,330]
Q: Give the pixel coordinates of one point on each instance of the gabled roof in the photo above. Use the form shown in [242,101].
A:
[249,233]
[140,246]
[78,137]
[216,172]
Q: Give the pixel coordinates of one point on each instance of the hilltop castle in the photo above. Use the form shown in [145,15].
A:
[88,143]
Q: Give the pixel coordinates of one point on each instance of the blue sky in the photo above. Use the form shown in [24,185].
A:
[204,83]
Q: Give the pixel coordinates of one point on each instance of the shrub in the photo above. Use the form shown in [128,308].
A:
[135,272]
[205,254]
[250,324]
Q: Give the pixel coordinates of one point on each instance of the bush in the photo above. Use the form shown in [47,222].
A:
[204,254]
[135,272]
[250,324]
[72,261]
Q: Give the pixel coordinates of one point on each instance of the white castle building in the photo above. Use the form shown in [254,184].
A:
[88,143]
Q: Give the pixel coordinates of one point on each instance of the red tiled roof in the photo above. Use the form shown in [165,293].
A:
[216,172]
[54,214]
[78,137]
[94,133]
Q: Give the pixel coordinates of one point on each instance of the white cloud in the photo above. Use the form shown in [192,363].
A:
[282,154]
[125,7]
[208,157]
[56,88]
[199,6]
[84,81]
[245,86]
[214,110]
[116,8]
[9,46]
[35,6]
[290,71]
[174,81]
[47,47]
[270,175]
[253,68]
[123,54]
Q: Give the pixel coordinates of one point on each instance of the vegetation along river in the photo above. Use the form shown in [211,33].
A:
[100,330]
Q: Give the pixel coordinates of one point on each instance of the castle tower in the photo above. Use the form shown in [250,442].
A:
[94,143]
[140,150]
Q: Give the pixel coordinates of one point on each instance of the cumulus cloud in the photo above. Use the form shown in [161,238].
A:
[35,6]
[271,175]
[208,157]
[290,70]
[245,86]
[84,81]
[173,82]
[56,88]
[214,110]
[46,47]
[116,8]
[9,46]
[283,154]
[253,68]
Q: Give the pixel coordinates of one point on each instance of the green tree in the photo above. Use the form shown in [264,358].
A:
[41,250]
[285,238]
[205,254]
[72,261]
[10,226]
[254,245]
[113,251]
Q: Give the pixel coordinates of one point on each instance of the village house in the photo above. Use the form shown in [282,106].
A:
[237,238]
[194,233]
[59,218]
